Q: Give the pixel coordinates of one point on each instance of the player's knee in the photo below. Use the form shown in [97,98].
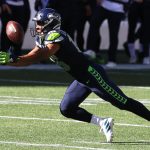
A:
[65,112]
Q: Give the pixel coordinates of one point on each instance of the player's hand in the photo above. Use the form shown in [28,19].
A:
[4,58]
[8,57]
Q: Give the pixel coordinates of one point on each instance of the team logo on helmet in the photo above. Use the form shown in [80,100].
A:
[39,16]
[53,15]
[49,15]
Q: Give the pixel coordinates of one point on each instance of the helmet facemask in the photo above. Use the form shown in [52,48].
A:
[52,24]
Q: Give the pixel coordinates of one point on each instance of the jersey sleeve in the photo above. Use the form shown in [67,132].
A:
[53,37]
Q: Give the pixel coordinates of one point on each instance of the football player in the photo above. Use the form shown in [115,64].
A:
[53,43]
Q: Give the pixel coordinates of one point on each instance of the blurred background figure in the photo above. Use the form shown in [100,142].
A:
[17,10]
[40,4]
[86,9]
[145,32]
[134,30]
[0,7]
[113,11]
[70,11]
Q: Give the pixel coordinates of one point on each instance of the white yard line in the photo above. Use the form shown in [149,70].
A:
[42,101]
[137,87]
[51,102]
[132,125]
[50,145]
[39,100]
[21,97]
[39,119]
[90,142]
[36,103]
[67,120]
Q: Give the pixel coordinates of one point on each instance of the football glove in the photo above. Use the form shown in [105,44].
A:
[8,57]
[4,58]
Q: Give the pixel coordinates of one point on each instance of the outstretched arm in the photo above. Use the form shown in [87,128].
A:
[35,55]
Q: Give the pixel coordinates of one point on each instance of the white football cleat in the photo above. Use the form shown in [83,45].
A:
[107,128]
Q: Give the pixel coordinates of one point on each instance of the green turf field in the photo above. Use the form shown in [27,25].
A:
[30,120]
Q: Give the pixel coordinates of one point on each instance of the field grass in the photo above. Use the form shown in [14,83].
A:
[30,120]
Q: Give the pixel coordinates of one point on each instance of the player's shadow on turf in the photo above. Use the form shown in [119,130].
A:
[132,143]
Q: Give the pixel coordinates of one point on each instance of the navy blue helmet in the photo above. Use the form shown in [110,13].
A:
[48,18]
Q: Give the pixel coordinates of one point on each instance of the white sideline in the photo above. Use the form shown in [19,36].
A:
[56,103]
[49,101]
[50,145]
[66,120]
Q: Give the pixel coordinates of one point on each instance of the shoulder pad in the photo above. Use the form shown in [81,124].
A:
[54,37]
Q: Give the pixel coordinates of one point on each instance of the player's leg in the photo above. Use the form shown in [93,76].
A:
[96,21]
[126,103]
[109,91]
[114,20]
[74,96]
[5,42]
[69,107]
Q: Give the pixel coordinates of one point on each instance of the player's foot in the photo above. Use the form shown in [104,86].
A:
[107,128]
